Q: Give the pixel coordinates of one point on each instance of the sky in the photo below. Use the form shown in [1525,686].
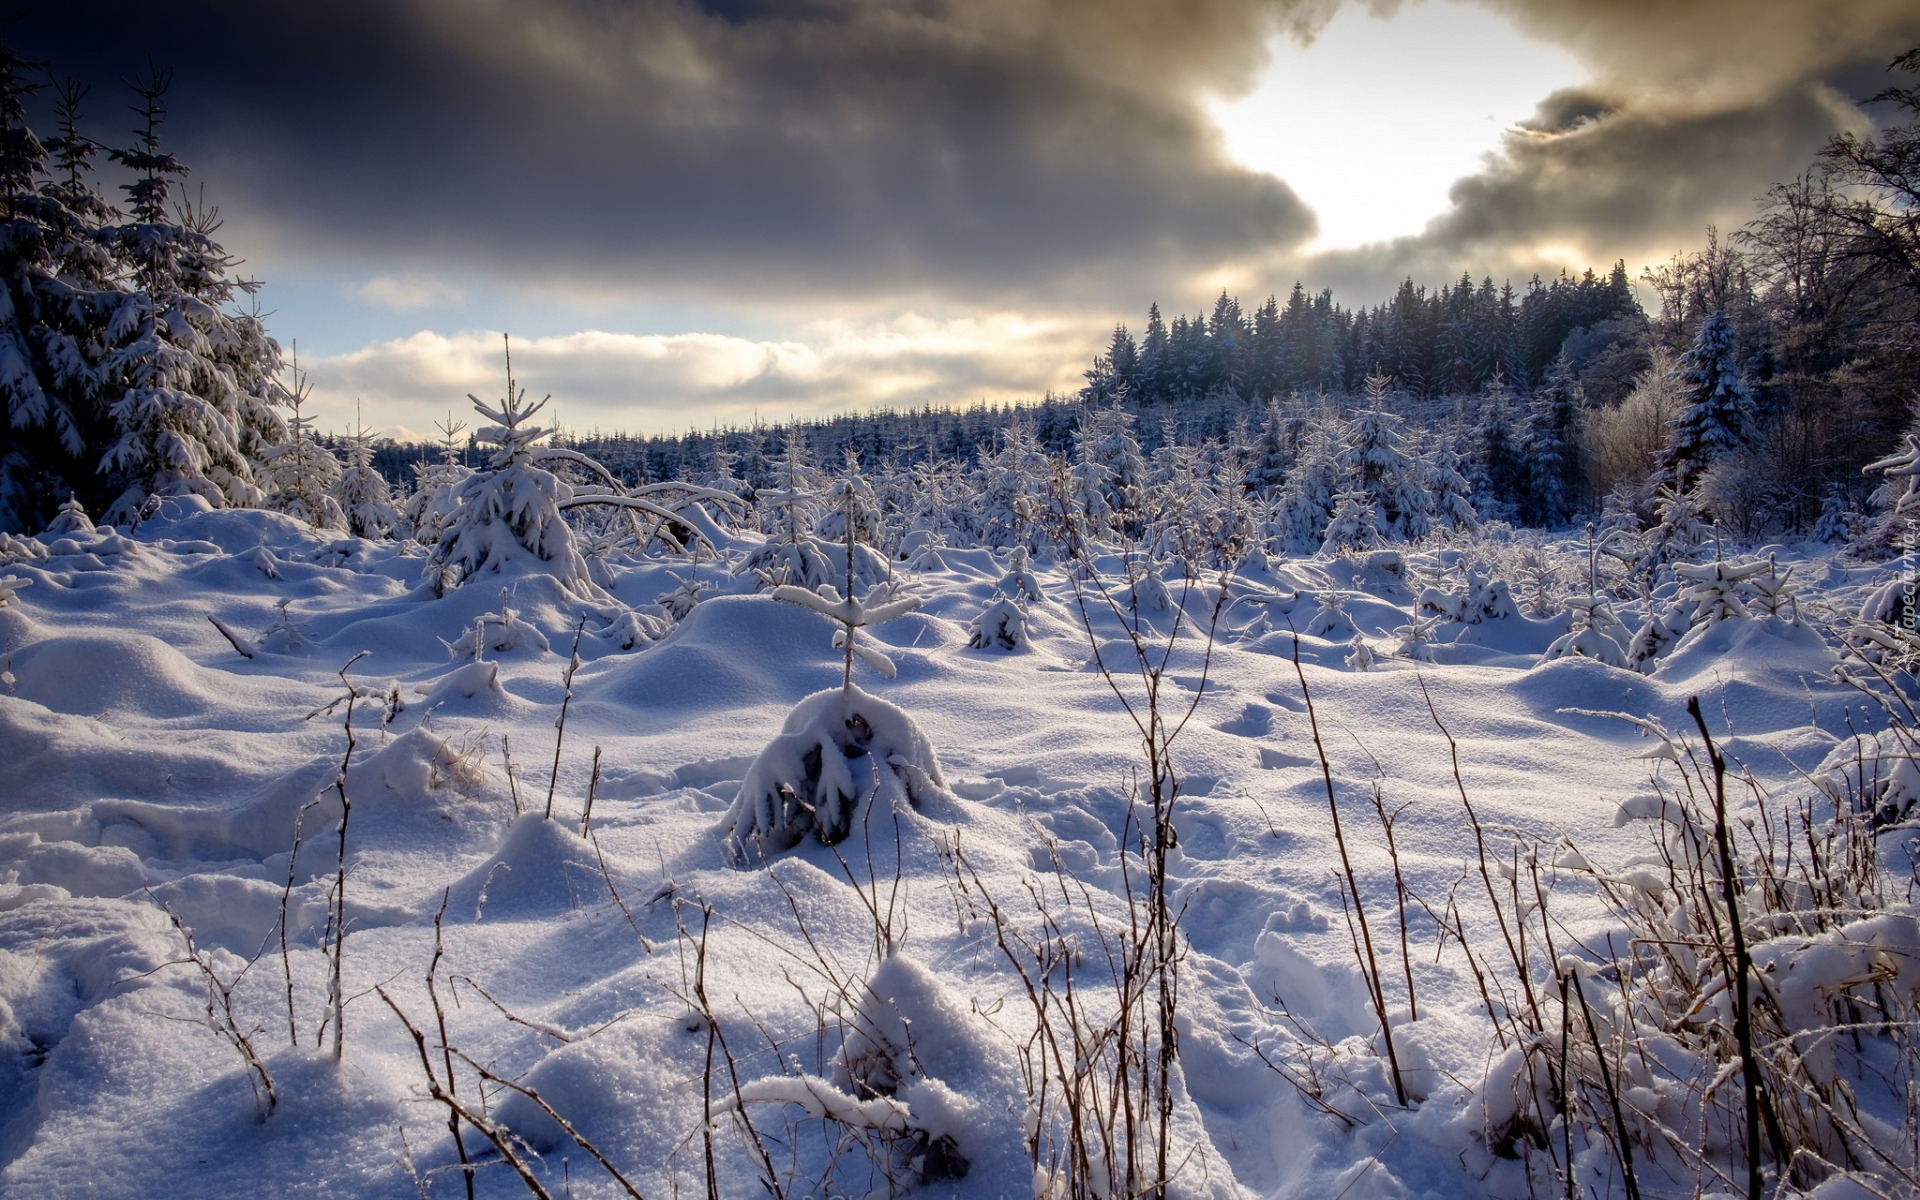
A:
[690,214]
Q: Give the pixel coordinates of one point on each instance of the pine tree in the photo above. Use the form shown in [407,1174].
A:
[1374,464]
[55,289]
[1355,524]
[361,491]
[1154,359]
[436,486]
[300,473]
[1496,463]
[1306,501]
[194,384]
[1106,441]
[1267,467]
[1718,416]
[1448,490]
[1543,455]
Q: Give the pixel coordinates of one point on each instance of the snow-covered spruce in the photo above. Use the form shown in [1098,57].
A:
[508,517]
[837,748]
[1019,583]
[299,474]
[361,492]
[1596,634]
[1001,625]
[435,487]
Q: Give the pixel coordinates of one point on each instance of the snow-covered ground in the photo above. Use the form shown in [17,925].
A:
[150,773]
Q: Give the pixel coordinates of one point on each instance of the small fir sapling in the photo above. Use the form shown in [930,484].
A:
[509,517]
[1717,591]
[300,473]
[10,586]
[1002,625]
[1415,638]
[1774,593]
[1355,524]
[838,747]
[1596,633]
[1019,583]
[792,556]
[362,493]
[1680,530]
[1374,464]
[1448,490]
[1146,591]
[686,592]
[1330,617]
[1659,634]
[71,521]
[1307,499]
[502,632]
[1480,599]
[435,486]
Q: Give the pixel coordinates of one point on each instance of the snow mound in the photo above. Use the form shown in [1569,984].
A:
[112,671]
[540,868]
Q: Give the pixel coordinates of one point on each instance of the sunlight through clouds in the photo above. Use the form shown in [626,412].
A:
[1369,134]
[651,383]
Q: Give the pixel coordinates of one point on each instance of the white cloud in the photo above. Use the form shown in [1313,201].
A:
[406,293]
[651,383]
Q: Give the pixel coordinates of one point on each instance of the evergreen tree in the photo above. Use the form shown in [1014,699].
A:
[1106,441]
[362,493]
[1546,447]
[1267,456]
[194,383]
[300,473]
[54,293]
[1375,465]
[1154,363]
[1718,416]
[1448,491]
[1306,501]
[1496,461]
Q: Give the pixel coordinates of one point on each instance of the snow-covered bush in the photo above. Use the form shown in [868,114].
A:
[1001,625]
[1480,599]
[361,492]
[502,632]
[1355,524]
[1596,633]
[508,517]
[1019,583]
[1330,618]
[1718,591]
[837,749]
[71,521]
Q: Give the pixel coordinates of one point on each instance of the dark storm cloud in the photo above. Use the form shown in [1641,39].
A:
[1693,111]
[980,148]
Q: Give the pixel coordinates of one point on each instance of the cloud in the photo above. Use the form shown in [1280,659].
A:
[1692,111]
[869,157]
[666,382]
[985,149]
[406,293]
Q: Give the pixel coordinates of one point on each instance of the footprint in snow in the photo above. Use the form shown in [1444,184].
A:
[1255,720]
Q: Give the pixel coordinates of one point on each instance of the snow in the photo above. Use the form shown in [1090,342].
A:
[787,838]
